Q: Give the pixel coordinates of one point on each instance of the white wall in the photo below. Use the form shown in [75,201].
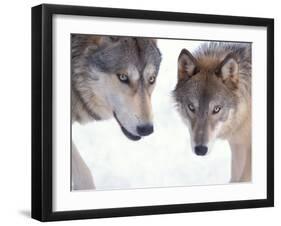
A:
[15,112]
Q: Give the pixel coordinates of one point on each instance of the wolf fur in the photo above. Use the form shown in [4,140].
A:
[112,77]
[213,96]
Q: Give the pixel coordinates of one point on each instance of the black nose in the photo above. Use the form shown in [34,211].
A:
[201,150]
[145,130]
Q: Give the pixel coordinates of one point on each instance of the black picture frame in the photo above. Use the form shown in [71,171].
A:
[42,108]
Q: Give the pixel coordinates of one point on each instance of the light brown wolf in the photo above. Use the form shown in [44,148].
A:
[213,95]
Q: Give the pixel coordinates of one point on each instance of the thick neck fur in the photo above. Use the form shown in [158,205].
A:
[240,143]
[95,108]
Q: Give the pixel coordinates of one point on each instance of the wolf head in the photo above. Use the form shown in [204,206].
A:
[208,92]
[122,74]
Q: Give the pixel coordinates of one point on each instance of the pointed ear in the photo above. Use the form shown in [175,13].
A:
[187,65]
[229,71]
[106,40]
[154,41]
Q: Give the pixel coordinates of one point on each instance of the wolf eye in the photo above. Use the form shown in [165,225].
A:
[216,109]
[123,78]
[151,79]
[191,107]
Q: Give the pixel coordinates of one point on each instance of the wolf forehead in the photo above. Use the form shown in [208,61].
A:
[206,86]
[122,53]
[209,55]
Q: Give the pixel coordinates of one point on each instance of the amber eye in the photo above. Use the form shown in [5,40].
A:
[217,109]
[123,77]
[191,107]
[152,79]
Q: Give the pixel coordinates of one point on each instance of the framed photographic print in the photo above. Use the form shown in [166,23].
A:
[146,112]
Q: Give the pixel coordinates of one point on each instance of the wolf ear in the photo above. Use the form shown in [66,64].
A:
[229,71]
[105,40]
[154,41]
[187,65]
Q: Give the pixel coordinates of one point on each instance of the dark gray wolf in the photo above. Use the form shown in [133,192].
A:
[112,77]
[213,95]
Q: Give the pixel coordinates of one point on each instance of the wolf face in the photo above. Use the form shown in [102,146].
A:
[120,78]
[207,95]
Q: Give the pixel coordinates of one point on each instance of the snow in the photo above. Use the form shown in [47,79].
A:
[162,159]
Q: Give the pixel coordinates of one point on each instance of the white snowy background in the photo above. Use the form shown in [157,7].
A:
[162,159]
